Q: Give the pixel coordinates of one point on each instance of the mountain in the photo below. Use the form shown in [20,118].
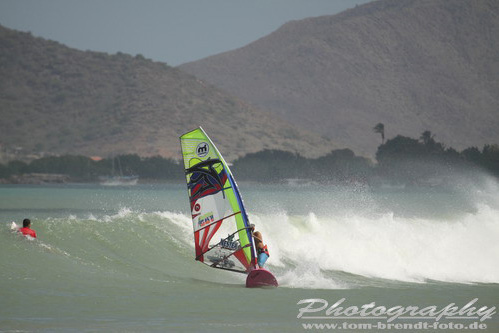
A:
[60,100]
[413,65]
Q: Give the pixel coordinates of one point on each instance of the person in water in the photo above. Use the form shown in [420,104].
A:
[26,229]
[261,249]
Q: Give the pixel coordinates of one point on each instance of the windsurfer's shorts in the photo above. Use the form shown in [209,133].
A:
[262,258]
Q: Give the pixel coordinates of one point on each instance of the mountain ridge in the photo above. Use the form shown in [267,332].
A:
[58,100]
[412,65]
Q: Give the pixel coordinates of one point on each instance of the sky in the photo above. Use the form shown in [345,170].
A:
[170,31]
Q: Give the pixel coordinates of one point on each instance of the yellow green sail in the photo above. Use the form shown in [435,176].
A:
[222,237]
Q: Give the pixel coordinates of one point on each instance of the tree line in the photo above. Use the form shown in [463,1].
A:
[401,159]
[84,169]
[409,160]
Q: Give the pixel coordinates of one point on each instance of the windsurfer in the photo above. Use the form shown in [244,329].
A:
[261,249]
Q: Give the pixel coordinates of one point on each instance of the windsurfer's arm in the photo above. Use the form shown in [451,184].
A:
[257,235]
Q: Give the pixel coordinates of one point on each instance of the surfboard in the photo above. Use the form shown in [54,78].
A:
[260,277]
[222,234]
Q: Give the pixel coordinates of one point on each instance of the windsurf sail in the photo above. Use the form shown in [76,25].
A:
[222,235]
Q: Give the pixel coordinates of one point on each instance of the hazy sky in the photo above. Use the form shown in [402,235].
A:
[171,31]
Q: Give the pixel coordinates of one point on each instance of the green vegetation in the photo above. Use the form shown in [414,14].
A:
[410,161]
[274,165]
[401,160]
[84,169]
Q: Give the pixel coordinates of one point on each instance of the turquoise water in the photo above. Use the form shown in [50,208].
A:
[122,259]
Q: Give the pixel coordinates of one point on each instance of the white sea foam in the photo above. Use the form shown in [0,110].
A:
[309,276]
[313,245]
[414,250]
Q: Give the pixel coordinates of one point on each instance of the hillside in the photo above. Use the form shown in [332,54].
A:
[413,65]
[60,100]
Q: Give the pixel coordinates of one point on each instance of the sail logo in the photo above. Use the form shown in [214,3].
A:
[202,149]
[228,244]
[206,219]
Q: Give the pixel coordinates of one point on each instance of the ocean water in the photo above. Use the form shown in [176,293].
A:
[121,259]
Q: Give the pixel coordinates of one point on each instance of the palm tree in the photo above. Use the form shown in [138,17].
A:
[380,128]
[427,137]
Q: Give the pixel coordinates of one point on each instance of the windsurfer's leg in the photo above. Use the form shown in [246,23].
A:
[262,258]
